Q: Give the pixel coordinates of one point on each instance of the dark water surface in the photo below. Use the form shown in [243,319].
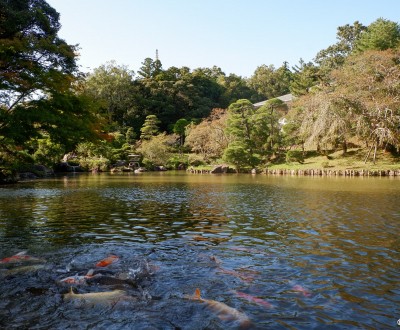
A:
[288,252]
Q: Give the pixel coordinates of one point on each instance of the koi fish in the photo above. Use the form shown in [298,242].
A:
[223,311]
[21,257]
[254,299]
[107,261]
[298,288]
[199,238]
[110,280]
[24,269]
[78,279]
[244,278]
[216,260]
[95,298]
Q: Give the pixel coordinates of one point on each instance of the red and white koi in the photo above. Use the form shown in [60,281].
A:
[244,278]
[21,257]
[78,279]
[254,299]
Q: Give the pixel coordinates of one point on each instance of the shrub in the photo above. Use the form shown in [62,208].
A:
[294,156]
[196,160]
[325,164]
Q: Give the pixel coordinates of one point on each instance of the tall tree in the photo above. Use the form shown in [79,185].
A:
[112,85]
[371,80]
[38,77]
[241,150]
[150,68]
[266,127]
[270,82]
[235,88]
[363,103]
[34,61]
[305,76]
[379,35]
[180,129]
[150,127]
[209,138]
[334,56]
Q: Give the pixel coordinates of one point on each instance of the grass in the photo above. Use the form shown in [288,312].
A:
[353,160]
[334,160]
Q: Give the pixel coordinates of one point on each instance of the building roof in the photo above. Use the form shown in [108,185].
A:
[284,98]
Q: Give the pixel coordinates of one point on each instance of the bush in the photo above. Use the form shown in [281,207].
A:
[294,156]
[97,164]
[177,160]
[196,160]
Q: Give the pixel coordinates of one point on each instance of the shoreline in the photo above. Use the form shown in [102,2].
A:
[310,172]
[332,172]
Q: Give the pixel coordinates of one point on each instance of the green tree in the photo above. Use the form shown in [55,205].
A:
[180,129]
[334,56]
[379,35]
[39,90]
[240,127]
[305,76]
[149,128]
[235,88]
[150,68]
[240,124]
[270,82]
[266,127]
[239,155]
[157,150]
[34,61]
[112,86]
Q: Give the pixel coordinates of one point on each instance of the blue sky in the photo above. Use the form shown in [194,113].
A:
[236,35]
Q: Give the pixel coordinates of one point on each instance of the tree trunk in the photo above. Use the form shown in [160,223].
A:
[369,152]
[376,147]
[344,145]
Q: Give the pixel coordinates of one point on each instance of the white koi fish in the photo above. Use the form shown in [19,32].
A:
[24,269]
[95,298]
[223,311]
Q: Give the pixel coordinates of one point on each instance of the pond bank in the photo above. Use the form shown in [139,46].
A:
[333,172]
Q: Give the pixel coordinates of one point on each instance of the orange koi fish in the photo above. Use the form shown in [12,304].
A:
[107,261]
[78,279]
[298,288]
[21,257]
[223,311]
[254,299]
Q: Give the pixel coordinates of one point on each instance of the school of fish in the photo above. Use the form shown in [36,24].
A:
[24,263]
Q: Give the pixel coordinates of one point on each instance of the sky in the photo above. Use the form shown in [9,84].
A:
[236,35]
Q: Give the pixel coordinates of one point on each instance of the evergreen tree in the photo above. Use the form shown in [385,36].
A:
[149,128]
[379,35]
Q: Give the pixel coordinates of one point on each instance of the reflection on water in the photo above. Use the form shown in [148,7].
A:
[288,252]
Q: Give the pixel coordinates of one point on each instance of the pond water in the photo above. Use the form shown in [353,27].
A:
[266,252]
